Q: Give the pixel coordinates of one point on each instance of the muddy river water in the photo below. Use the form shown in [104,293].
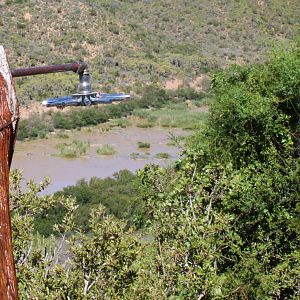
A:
[38,158]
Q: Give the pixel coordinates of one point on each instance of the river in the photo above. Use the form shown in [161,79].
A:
[38,159]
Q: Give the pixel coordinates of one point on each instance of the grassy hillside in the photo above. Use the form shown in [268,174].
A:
[130,43]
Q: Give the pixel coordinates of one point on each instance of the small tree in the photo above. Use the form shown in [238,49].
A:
[70,265]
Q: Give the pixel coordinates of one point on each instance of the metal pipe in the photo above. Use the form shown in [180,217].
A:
[77,67]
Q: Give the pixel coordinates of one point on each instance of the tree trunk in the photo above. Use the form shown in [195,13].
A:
[9,111]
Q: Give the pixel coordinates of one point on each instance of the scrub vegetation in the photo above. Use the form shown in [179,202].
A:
[122,122]
[162,155]
[106,150]
[223,223]
[74,149]
[143,145]
[129,44]
[174,115]
[153,98]
[120,195]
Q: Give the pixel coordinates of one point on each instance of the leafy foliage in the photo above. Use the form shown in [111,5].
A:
[257,109]
[225,220]
[74,149]
[223,223]
[98,265]
[120,195]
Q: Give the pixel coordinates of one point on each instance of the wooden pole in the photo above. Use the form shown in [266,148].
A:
[9,113]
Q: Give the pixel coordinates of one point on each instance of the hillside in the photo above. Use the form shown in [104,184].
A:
[131,43]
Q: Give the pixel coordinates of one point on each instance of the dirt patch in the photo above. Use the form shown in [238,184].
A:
[173,84]
[27,16]
[37,108]
[201,83]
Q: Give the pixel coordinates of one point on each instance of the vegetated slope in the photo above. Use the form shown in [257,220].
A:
[130,43]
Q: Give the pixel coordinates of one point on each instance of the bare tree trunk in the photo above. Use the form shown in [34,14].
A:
[9,111]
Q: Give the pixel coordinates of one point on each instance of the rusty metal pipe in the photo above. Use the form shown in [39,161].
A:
[77,67]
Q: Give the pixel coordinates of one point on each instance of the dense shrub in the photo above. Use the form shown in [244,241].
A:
[257,109]
[119,194]
[34,127]
[107,254]
[226,221]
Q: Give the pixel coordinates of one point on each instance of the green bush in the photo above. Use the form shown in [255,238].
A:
[34,127]
[143,145]
[119,194]
[263,99]
[162,155]
[225,220]
[73,149]
[106,150]
[110,249]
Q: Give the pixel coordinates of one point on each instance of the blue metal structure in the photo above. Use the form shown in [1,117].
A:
[85,96]
[84,99]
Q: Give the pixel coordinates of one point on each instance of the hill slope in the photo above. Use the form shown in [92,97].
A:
[129,43]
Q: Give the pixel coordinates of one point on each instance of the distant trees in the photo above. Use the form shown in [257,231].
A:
[120,194]
[38,126]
